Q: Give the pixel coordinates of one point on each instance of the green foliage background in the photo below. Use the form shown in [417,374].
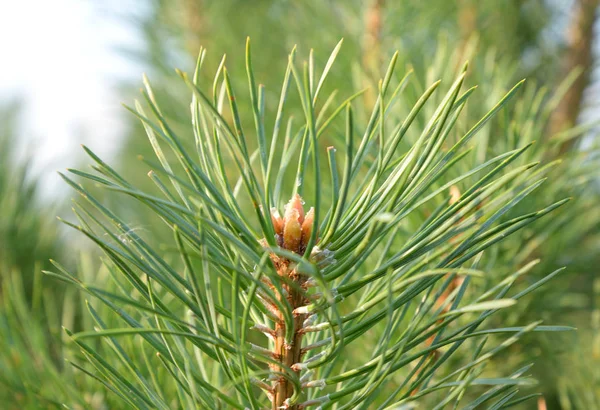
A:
[504,41]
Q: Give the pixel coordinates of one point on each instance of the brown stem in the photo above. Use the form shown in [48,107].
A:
[372,47]
[578,54]
[435,354]
[292,353]
[292,232]
[441,300]
[467,23]
[373,28]
[194,24]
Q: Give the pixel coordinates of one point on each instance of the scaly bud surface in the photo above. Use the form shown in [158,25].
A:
[292,232]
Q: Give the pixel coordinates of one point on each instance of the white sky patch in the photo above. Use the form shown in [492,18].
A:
[60,57]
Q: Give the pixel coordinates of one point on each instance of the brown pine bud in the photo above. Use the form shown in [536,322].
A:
[277,221]
[292,230]
[295,203]
[307,226]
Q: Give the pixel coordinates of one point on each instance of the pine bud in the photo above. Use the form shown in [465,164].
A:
[307,226]
[292,230]
[277,221]
[295,204]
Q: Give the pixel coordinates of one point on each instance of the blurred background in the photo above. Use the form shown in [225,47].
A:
[67,66]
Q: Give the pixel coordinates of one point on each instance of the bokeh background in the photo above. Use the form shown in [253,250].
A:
[67,66]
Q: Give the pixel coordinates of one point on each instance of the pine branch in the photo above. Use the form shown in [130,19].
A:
[578,58]
[381,253]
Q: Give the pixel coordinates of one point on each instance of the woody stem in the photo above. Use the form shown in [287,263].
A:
[288,354]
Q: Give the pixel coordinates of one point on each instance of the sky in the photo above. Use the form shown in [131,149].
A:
[61,59]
